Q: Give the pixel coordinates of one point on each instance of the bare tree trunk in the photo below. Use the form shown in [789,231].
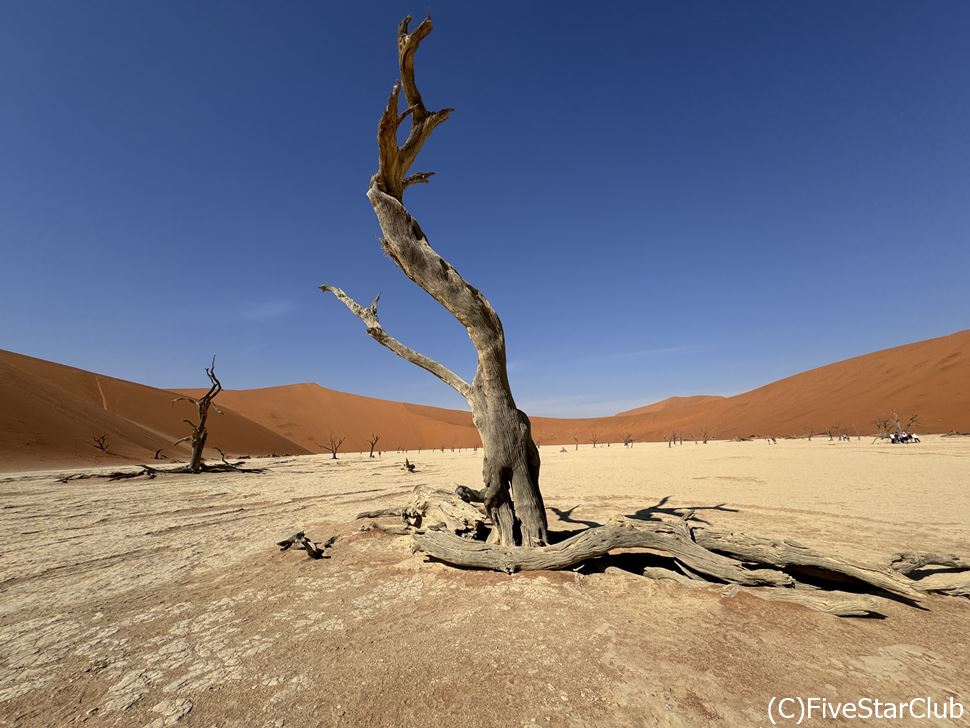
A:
[511,459]
[199,431]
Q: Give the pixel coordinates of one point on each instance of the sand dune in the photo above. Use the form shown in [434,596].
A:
[308,414]
[50,411]
[927,378]
[671,403]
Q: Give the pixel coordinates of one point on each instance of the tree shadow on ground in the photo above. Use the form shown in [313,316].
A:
[651,513]
[648,513]
[567,517]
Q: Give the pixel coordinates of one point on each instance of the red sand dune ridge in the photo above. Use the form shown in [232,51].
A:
[51,412]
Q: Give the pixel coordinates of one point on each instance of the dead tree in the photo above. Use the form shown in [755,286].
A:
[886,427]
[333,445]
[628,440]
[199,432]
[373,441]
[448,526]
[101,442]
[510,470]
[576,441]
[594,438]
[705,437]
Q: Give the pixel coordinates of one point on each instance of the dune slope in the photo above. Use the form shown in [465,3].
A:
[50,414]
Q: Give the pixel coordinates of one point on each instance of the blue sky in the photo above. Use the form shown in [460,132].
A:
[658,198]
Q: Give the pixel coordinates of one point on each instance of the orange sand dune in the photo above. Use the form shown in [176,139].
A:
[928,378]
[49,414]
[309,414]
[665,405]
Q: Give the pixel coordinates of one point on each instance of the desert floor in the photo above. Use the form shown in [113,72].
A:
[166,602]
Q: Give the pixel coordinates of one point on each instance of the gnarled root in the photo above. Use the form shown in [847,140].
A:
[451,528]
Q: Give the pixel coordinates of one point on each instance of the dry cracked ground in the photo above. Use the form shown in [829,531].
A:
[166,602]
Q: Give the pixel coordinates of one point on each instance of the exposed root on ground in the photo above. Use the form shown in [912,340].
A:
[451,527]
[151,473]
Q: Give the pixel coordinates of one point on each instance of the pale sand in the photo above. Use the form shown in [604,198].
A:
[166,602]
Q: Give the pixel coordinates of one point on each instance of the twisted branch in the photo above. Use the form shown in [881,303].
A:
[376,331]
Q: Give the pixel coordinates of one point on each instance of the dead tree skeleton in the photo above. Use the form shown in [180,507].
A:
[511,459]
[333,445]
[199,432]
[373,440]
[447,525]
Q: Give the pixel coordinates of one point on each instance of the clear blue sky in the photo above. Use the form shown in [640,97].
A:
[658,198]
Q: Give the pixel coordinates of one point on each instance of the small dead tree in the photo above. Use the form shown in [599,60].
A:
[333,445]
[705,437]
[199,432]
[576,440]
[374,438]
[101,442]
[628,440]
[594,438]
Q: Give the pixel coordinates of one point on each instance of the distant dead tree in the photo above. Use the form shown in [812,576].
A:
[886,427]
[628,440]
[576,440]
[199,433]
[811,432]
[883,428]
[101,442]
[857,435]
[333,445]
[594,438]
[373,441]
[705,437]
